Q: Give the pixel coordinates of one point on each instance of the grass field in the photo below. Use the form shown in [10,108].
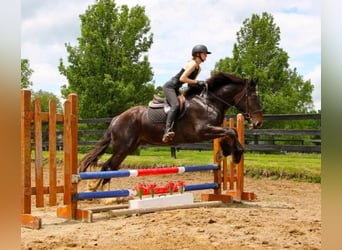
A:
[296,166]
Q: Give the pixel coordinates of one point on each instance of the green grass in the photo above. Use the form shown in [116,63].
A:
[162,156]
[304,167]
[295,166]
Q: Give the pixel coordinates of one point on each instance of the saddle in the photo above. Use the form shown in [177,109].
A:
[158,108]
[159,102]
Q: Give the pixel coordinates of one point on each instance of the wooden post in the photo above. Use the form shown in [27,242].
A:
[27,220]
[52,154]
[73,150]
[70,157]
[38,141]
[70,211]
[240,165]
[66,149]
[231,163]
[25,151]
[224,165]
[217,173]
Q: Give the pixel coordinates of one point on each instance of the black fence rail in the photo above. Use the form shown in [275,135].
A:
[306,139]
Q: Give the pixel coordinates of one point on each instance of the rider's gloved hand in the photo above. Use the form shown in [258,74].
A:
[201,82]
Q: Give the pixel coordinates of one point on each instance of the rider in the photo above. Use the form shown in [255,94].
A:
[187,74]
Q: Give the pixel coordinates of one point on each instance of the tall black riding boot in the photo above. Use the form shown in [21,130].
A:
[169,134]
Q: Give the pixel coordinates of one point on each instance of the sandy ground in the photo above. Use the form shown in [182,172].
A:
[285,215]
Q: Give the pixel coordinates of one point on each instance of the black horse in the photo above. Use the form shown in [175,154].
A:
[201,119]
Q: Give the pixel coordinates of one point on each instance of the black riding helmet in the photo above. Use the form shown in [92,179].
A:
[199,48]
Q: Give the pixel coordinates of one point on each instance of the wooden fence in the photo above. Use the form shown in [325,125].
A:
[305,140]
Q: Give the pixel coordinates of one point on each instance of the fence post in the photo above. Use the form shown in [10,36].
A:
[25,152]
[27,219]
[240,166]
[52,153]
[70,156]
[38,142]
[70,211]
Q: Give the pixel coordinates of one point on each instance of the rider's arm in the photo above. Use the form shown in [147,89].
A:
[189,68]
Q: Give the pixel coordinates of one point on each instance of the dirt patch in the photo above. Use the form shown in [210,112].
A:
[286,214]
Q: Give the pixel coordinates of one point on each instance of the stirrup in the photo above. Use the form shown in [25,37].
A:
[168,136]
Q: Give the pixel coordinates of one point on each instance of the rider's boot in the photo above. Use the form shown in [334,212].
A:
[169,134]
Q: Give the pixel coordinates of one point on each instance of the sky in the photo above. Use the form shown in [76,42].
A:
[177,26]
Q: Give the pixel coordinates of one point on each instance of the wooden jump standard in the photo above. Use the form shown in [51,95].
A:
[234,175]
[35,186]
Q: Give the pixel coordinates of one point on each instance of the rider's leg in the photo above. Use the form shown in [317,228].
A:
[171,117]
[172,99]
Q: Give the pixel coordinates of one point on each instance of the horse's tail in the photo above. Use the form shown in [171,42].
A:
[91,158]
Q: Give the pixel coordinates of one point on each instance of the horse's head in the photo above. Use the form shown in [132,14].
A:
[247,101]
[228,90]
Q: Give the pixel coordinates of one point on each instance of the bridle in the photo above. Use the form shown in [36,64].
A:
[246,114]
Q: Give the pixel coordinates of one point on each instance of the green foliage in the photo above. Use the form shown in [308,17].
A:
[109,69]
[26,73]
[159,91]
[257,54]
[45,98]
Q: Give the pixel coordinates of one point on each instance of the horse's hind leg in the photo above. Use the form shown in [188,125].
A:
[113,163]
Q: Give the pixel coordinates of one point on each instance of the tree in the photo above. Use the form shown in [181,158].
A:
[26,73]
[45,98]
[109,69]
[257,54]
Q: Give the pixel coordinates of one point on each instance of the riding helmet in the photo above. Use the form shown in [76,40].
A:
[199,48]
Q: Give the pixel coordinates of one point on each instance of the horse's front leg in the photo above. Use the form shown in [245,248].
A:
[228,141]
[232,145]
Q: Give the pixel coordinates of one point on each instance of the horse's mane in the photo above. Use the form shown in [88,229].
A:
[216,81]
